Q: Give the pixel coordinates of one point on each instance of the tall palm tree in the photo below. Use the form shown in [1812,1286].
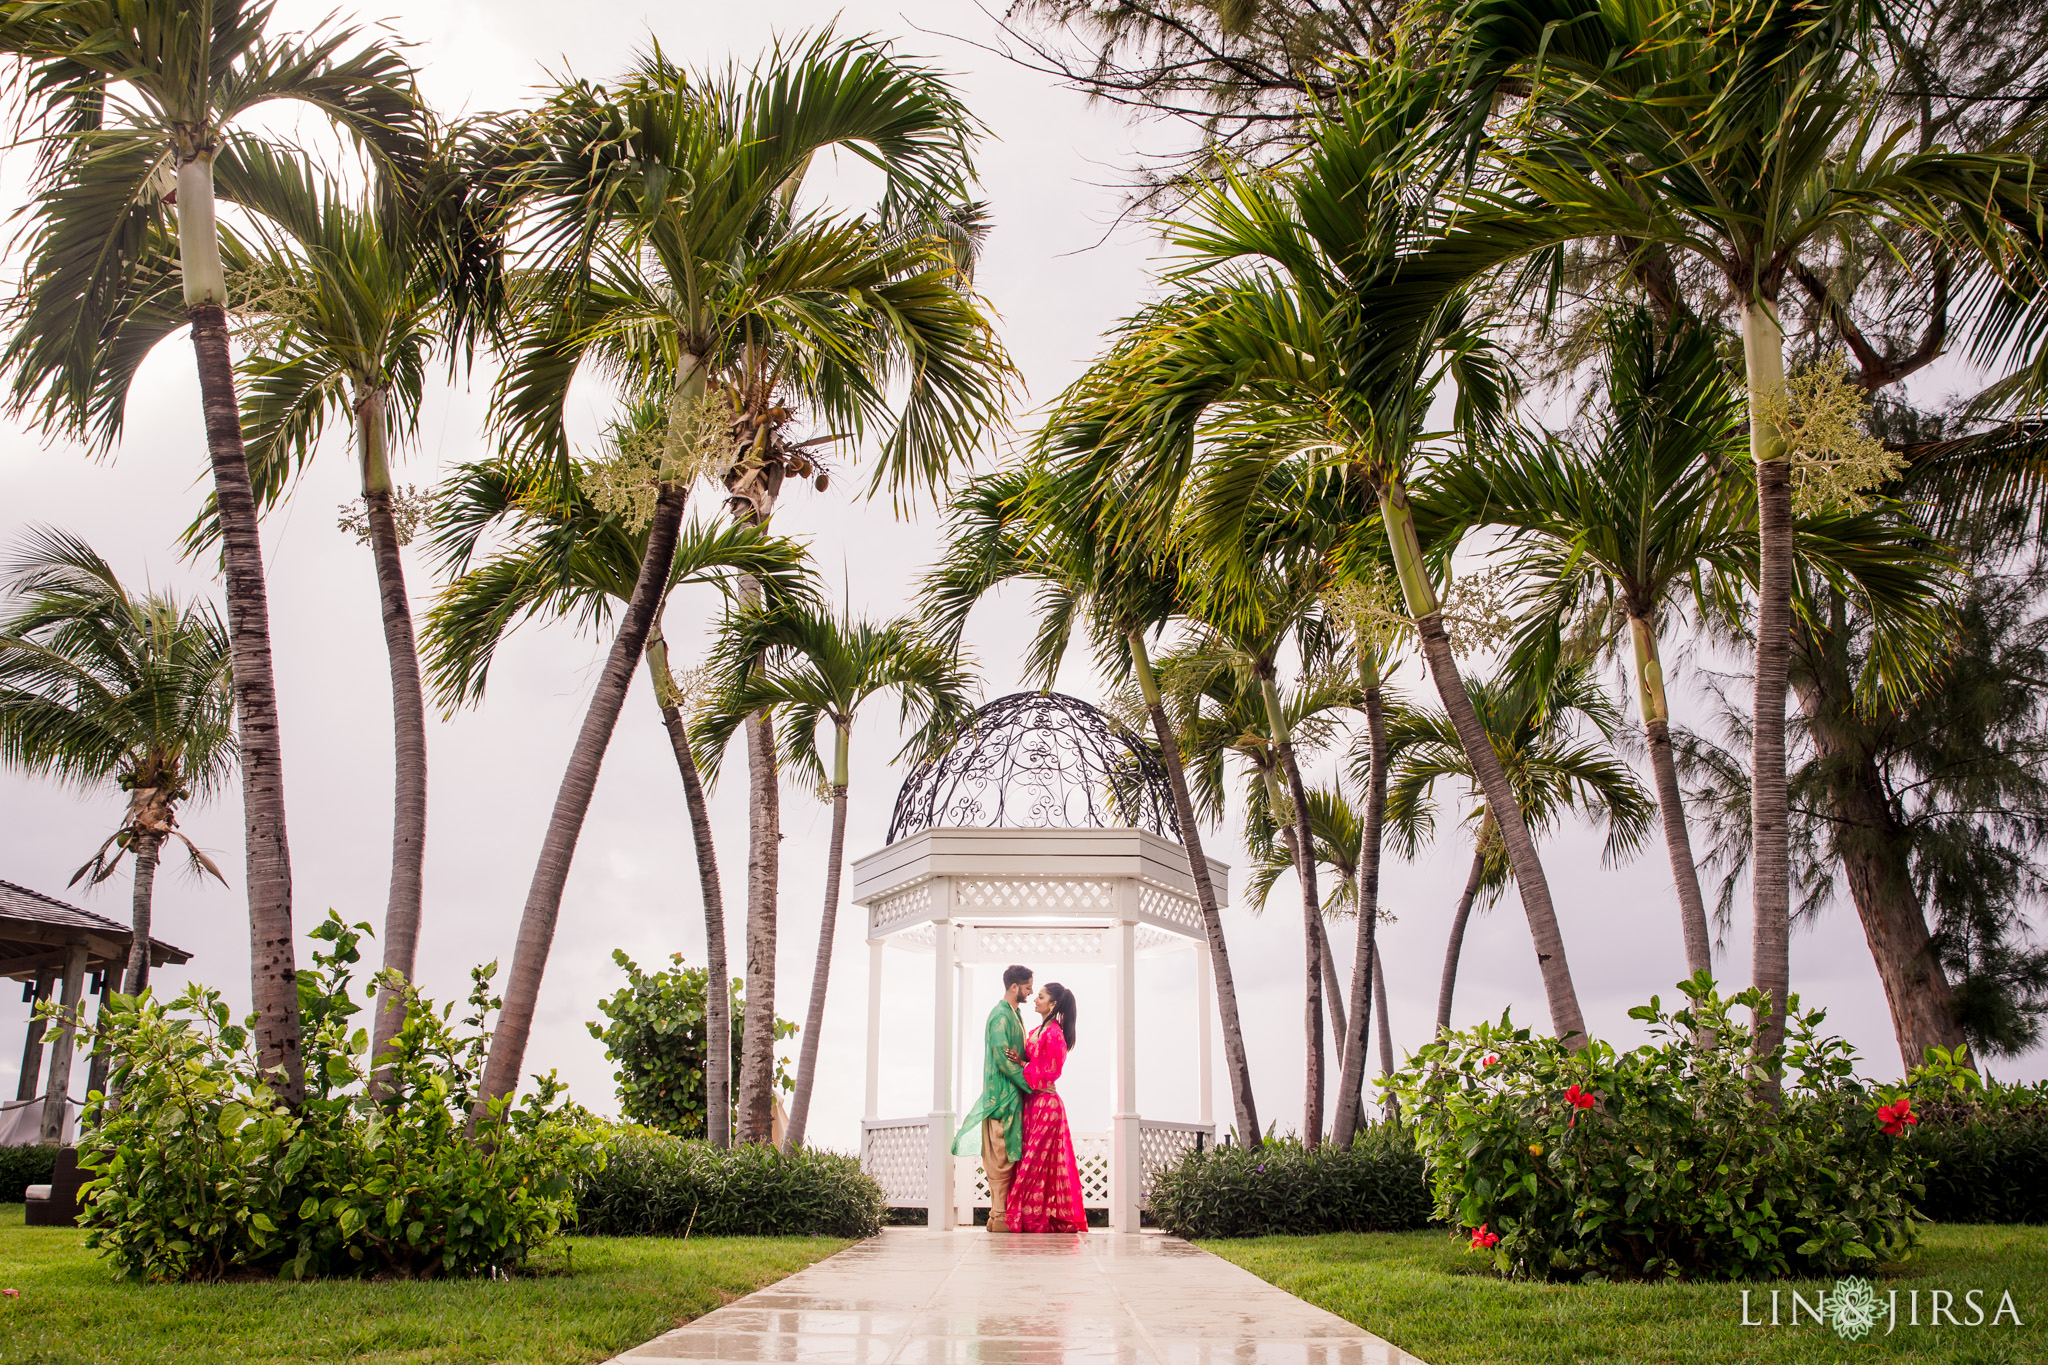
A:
[1613,520]
[1537,727]
[670,249]
[1748,154]
[1016,526]
[98,685]
[812,667]
[132,102]
[1294,328]
[556,553]
[347,309]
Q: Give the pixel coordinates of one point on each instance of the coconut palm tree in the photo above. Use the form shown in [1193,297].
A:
[131,103]
[670,249]
[555,553]
[1016,526]
[100,686]
[1752,159]
[1614,519]
[1538,729]
[812,667]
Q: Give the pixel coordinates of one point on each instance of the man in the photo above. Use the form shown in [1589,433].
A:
[998,1120]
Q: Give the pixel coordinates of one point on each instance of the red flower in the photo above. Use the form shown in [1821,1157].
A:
[1482,1240]
[1491,1059]
[1577,1099]
[1895,1117]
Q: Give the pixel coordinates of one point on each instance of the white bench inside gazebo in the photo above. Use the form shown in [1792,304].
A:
[1091,879]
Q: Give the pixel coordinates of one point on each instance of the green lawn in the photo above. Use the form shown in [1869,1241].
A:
[623,1291]
[1420,1291]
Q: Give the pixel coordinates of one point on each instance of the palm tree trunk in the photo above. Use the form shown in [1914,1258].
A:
[1566,1019]
[1235,1059]
[1458,921]
[1333,995]
[717,976]
[1365,958]
[1303,848]
[814,1014]
[1763,349]
[1390,1104]
[572,803]
[147,848]
[764,871]
[1656,711]
[402,908]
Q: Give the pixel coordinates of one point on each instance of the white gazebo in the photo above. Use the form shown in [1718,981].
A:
[1045,836]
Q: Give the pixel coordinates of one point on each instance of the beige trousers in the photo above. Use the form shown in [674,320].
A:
[995,1160]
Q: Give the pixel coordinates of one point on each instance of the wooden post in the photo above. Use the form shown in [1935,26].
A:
[56,1095]
[32,1050]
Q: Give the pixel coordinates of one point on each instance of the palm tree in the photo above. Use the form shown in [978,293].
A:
[1015,525]
[558,554]
[1341,844]
[347,310]
[1536,727]
[1294,328]
[132,103]
[812,667]
[1611,525]
[98,685]
[669,251]
[1753,156]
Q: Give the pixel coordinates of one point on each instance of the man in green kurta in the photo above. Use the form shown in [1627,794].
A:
[998,1121]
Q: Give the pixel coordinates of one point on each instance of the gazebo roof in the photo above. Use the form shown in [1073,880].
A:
[35,929]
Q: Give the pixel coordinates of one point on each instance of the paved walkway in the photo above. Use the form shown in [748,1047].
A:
[950,1298]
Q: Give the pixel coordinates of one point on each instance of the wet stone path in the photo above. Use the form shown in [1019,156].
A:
[915,1297]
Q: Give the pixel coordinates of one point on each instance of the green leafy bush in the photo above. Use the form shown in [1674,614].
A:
[654,1184]
[1668,1160]
[1376,1185]
[21,1167]
[656,1035]
[202,1172]
[1988,1149]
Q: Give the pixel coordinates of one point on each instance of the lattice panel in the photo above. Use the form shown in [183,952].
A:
[1091,1154]
[901,907]
[1160,1147]
[1026,944]
[923,938]
[898,1156]
[1165,905]
[1031,893]
[1149,936]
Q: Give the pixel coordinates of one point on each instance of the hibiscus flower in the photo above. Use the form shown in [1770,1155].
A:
[1482,1240]
[1895,1117]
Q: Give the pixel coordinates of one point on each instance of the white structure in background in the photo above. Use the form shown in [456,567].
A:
[1045,836]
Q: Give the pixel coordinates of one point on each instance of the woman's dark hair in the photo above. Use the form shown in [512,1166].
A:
[1062,1008]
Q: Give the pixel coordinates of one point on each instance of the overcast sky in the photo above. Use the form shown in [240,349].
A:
[1058,278]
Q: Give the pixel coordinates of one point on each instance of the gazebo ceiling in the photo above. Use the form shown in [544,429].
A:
[1039,760]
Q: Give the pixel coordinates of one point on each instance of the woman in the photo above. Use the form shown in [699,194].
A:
[1045,1192]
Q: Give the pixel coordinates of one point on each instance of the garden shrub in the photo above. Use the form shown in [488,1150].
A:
[1376,1185]
[654,1184]
[655,1034]
[21,1167]
[202,1172]
[1988,1149]
[1668,1160]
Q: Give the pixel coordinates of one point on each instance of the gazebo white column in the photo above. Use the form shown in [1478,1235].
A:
[872,1107]
[1205,1015]
[1126,1145]
[939,1200]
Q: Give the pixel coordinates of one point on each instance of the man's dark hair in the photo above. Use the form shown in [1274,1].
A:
[1015,976]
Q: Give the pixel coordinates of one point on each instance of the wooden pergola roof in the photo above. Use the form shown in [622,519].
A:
[35,930]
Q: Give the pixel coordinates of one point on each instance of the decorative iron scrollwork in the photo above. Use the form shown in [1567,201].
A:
[1039,760]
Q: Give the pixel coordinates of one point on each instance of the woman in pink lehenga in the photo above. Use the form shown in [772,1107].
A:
[1045,1192]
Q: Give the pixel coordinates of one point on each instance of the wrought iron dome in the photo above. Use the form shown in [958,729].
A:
[1039,760]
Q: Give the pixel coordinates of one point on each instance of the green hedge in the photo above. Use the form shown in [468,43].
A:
[1990,1157]
[21,1167]
[656,1185]
[1281,1188]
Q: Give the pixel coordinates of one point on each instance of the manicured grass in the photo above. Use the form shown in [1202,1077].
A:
[623,1290]
[1420,1291]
